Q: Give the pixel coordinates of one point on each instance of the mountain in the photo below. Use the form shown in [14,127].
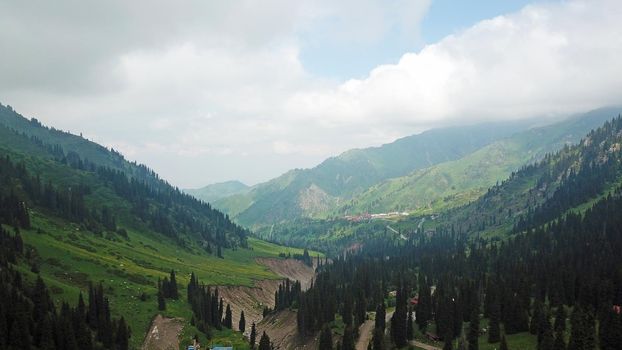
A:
[88,167]
[571,180]
[536,261]
[77,215]
[316,191]
[458,182]
[438,189]
[213,192]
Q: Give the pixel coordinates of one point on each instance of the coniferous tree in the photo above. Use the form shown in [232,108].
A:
[610,331]
[399,318]
[424,306]
[462,342]
[173,294]
[378,339]
[326,339]
[123,335]
[504,343]
[410,334]
[228,320]
[346,313]
[560,319]
[348,339]
[560,343]
[264,342]
[547,341]
[253,336]
[494,330]
[381,313]
[473,336]
[242,323]
[161,301]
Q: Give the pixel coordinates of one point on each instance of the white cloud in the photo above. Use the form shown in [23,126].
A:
[206,91]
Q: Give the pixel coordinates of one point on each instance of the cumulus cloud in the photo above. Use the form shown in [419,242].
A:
[207,91]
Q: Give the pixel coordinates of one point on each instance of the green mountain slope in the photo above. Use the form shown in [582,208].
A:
[458,182]
[315,192]
[149,200]
[88,216]
[213,192]
[570,180]
[482,213]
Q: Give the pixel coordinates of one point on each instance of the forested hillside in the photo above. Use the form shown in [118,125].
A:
[77,219]
[444,189]
[95,187]
[551,281]
[454,183]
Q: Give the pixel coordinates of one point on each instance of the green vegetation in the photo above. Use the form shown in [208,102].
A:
[318,191]
[96,218]
[69,258]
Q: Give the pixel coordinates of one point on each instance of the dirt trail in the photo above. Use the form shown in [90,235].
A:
[424,346]
[282,330]
[250,299]
[365,331]
[253,299]
[163,334]
[293,269]
[282,326]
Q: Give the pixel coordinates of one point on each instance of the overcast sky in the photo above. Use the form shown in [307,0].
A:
[206,91]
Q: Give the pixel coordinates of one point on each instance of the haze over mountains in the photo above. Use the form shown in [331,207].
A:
[437,169]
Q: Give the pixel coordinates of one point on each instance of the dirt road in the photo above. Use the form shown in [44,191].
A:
[163,334]
[365,336]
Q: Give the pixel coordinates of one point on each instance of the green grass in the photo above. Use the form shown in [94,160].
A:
[70,258]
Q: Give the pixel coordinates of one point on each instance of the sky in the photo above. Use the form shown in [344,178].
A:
[208,91]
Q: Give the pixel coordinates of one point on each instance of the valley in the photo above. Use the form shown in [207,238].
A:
[169,265]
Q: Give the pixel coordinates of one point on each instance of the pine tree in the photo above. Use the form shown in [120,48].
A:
[577,329]
[410,334]
[326,339]
[610,331]
[474,330]
[493,324]
[424,307]
[462,342]
[398,321]
[228,320]
[378,339]
[242,323]
[381,313]
[123,335]
[560,318]
[504,343]
[560,343]
[173,292]
[348,339]
[264,342]
[535,326]
[253,336]
[161,301]
[548,341]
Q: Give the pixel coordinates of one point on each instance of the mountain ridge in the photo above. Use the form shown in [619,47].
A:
[355,170]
